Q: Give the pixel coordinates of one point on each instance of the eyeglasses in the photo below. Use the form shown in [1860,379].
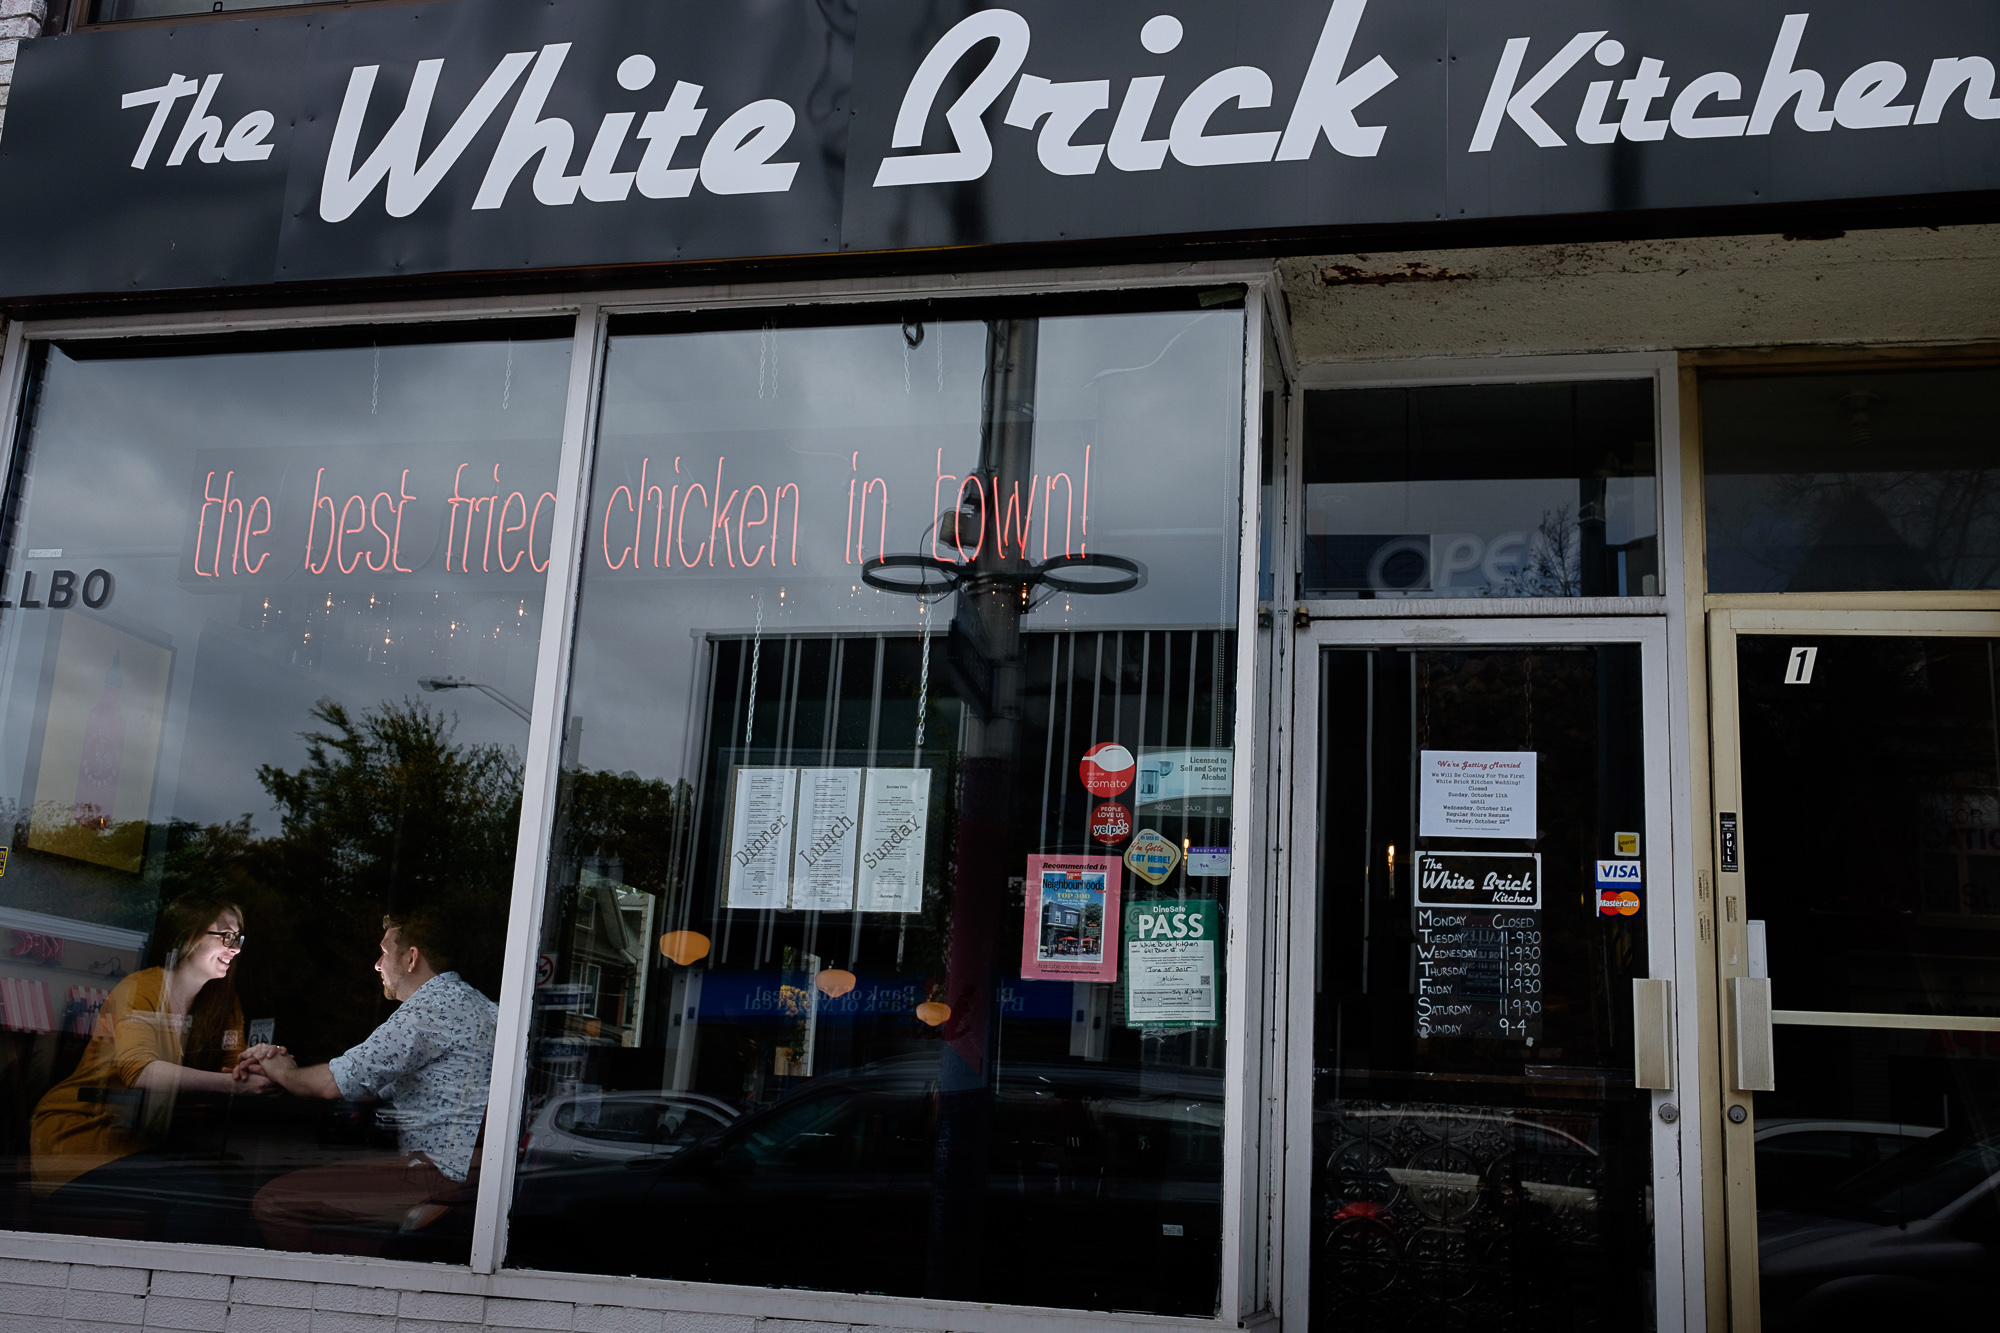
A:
[231,939]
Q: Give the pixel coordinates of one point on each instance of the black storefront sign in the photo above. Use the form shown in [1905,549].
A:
[484,135]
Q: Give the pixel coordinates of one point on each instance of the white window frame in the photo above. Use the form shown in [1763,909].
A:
[1680,1248]
[1246,1207]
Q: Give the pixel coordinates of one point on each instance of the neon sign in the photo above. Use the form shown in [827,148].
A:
[262,514]
[670,501]
[698,517]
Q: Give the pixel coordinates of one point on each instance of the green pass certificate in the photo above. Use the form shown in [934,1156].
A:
[1170,963]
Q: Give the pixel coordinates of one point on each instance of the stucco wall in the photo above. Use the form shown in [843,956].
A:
[1911,285]
[18,19]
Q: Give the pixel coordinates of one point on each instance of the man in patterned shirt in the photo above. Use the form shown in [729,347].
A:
[428,1065]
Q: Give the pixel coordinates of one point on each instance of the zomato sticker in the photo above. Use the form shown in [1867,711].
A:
[1111,823]
[1618,902]
[1106,769]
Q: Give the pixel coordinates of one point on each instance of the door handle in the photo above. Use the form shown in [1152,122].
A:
[1653,1034]
[1756,1061]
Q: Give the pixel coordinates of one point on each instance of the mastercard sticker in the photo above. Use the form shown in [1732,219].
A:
[1617,902]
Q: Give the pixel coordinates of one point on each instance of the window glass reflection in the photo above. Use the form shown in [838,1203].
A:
[262,829]
[829,880]
[119,11]
[1480,1157]
[1853,482]
[1511,490]
[1874,779]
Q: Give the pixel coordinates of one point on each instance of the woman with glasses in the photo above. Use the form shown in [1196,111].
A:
[164,1032]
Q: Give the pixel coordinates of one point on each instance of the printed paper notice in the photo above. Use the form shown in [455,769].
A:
[895,814]
[829,831]
[760,836]
[1477,794]
[1070,902]
[1170,977]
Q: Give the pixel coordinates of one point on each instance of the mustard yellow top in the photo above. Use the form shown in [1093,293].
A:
[99,1114]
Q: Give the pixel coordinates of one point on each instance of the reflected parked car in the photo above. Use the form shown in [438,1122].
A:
[1080,1184]
[1913,1242]
[1436,1214]
[613,1127]
[1797,1157]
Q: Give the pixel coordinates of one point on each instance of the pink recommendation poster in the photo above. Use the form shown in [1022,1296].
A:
[1069,928]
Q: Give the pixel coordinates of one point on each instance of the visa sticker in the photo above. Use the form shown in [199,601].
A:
[1618,874]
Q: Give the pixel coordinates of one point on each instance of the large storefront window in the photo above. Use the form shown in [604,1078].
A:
[261,828]
[1852,482]
[1481,490]
[1480,1155]
[883,943]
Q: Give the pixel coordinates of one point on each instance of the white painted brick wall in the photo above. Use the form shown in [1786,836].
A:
[45,1297]
[18,19]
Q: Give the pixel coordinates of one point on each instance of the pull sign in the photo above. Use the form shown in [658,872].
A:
[1799,666]
[1728,841]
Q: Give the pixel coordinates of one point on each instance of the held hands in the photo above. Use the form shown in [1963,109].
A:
[262,1068]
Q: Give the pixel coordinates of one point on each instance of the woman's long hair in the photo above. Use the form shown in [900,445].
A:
[214,1034]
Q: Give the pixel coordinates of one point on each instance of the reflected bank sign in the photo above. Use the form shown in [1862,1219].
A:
[502,135]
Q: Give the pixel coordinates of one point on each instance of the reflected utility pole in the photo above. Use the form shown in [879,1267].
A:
[990,605]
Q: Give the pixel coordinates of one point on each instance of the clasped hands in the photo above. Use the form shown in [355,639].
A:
[263,1068]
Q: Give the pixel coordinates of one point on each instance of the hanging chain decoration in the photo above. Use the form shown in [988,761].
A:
[940,354]
[767,358]
[756,660]
[913,338]
[375,385]
[507,384]
[924,668]
[1528,678]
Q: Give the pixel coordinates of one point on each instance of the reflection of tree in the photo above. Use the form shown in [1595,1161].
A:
[633,828]
[1937,528]
[1554,567]
[617,835]
[388,813]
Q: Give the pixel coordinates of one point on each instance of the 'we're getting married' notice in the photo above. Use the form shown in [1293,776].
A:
[1476,794]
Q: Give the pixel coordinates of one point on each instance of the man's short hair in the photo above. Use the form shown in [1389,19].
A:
[425,932]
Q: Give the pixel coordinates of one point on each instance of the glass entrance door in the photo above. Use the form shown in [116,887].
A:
[1858,763]
[1485,852]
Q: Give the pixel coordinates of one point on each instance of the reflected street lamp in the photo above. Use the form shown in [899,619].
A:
[431,684]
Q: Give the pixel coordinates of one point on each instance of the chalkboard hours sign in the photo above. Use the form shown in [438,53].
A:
[1478,923]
